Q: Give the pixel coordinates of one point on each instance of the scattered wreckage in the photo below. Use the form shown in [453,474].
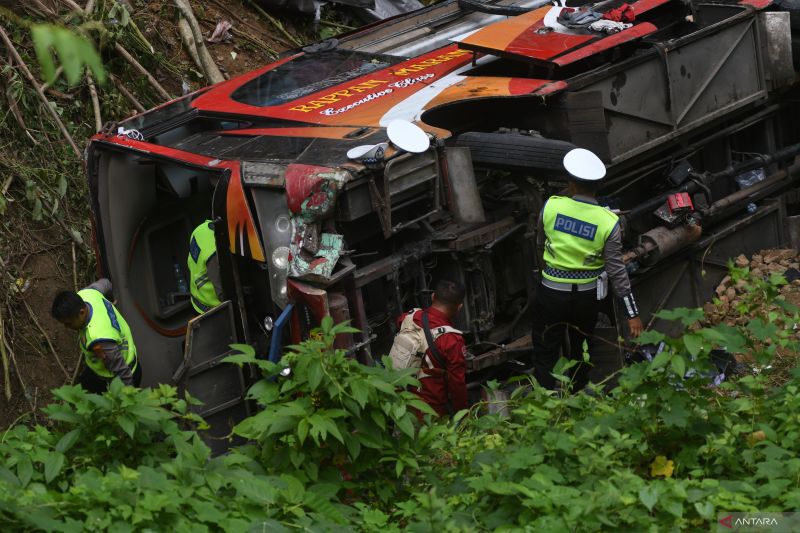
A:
[319,210]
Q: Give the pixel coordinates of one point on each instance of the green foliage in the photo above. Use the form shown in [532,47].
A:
[74,51]
[333,417]
[123,462]
[336,447]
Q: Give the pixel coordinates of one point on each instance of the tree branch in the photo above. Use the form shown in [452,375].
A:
[143,71]
[127,94]
[27,73]
[98,119]
[210,68]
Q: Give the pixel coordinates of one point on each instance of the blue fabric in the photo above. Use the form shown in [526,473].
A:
[194,249]
[112,316]
[575,227]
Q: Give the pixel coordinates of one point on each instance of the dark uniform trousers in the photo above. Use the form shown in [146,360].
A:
[95,384]
[562,319]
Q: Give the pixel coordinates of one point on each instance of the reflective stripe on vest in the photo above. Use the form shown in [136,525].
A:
[105,324]
[576,236]
[202,247]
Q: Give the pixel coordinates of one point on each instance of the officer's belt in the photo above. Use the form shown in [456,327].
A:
[572,274]
[569,287]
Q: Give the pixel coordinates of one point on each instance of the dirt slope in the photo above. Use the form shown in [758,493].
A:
[45,233]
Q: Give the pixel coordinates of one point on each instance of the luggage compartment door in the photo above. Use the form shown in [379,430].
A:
[220,386]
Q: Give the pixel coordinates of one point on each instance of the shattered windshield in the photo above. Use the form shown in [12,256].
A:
[308,74]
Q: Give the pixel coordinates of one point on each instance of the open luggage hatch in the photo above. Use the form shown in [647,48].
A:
[221,387]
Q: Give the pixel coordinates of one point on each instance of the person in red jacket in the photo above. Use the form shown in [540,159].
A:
[444,389]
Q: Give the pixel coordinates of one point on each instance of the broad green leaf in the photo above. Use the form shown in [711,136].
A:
[333,429]
[7,476]
[282,425]
[24,470]
[673,507]
[678,365]
[240,359]
[68,441]
[382,386]
[353,447]
[777,279]
[660,360]
[315,373]
[64,416]
[676,413]
[650,336]
[100,401]
[648,495]
[685,315]
[127,424]
[302,430]
[147,412]
[406,425]
[74,51]
[762,330]
[53,465]
[705,509]
[116,386]
[243,349]
[360,392]
[693,343]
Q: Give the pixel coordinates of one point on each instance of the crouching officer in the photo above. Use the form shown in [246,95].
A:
[582,249]
[105,338]
[205,284]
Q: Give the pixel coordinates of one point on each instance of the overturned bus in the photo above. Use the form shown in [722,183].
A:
[690,97]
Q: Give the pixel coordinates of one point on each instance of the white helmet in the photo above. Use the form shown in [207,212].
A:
[583,165]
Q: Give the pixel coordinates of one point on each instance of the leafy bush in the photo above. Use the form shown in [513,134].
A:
[338,446]
[333,418]
[121,462]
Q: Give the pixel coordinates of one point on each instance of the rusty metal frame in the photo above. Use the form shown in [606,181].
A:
[704,267]
[677,116]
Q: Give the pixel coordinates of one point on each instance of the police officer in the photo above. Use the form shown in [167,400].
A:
[104,335]
[205,284]
[583,248]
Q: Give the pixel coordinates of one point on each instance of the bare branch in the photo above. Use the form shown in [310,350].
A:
[127,94]
[27,73]
[143,71]
[98,119]
[210,68]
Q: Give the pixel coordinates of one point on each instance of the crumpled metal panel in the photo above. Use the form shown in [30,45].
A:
[311,190]
[313,254]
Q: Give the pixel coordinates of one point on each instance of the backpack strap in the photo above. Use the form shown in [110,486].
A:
[441,330]
[426,327]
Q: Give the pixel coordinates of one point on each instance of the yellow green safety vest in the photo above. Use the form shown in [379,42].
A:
[576,234]
[202,247]
[105,324]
